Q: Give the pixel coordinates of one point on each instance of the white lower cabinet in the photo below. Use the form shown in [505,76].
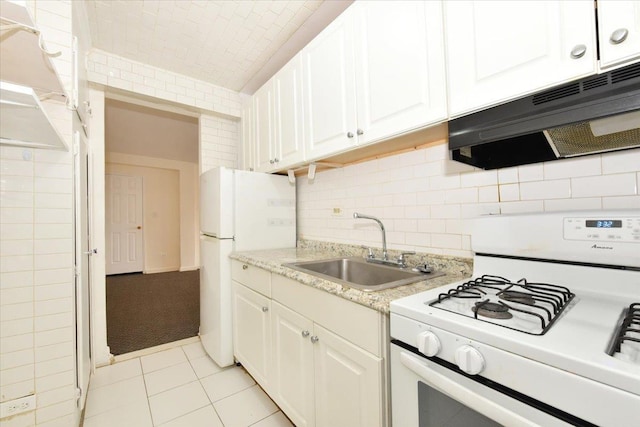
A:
[252,332]
[324,361]
[293,362]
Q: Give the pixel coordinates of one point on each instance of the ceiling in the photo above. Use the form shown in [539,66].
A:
[238,45]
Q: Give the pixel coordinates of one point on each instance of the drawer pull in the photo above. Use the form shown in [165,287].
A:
[305,334]
[265,309]
[315,339]
[245,266]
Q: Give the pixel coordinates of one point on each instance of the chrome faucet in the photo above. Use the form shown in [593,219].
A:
[400,262]
[357,215]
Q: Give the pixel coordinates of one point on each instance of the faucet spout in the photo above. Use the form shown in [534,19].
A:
[357,215]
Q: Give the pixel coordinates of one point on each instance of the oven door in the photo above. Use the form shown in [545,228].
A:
[427,394]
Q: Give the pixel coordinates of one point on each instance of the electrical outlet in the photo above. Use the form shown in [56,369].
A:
[17,406]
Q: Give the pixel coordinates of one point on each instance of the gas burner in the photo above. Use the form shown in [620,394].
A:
[519,297]
[492,310]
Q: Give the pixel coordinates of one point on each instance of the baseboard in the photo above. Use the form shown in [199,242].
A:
[161,270]
[151,350]
[190,268]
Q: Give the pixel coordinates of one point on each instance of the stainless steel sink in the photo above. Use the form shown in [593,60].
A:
[357,273]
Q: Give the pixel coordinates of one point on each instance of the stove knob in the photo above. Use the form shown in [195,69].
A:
[469,360]
[428,344]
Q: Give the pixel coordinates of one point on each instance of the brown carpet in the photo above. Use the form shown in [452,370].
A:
[145,310]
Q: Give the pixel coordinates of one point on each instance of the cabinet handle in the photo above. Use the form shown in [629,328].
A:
[349,134]
[271,161]
[360,132]
[305,334]
[578,51]
[315,339]
[245,266]
[618,36]
[265,309]
[276,160]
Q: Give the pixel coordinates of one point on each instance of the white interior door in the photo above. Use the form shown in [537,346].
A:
[124,224]
[82,261]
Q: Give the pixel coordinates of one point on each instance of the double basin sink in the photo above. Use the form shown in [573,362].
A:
[358,273]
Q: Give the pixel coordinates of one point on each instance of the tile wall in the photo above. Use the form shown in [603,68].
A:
[426,200]
[37,324]
[221,108]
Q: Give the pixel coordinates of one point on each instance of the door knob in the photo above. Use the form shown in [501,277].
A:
[315,339]
[349,134]
[305,334]
[265,309]
[91,252]
[360,132]
[139,227]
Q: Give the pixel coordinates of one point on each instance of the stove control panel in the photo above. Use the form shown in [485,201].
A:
[602,229]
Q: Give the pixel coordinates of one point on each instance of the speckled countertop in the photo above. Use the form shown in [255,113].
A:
[455,269]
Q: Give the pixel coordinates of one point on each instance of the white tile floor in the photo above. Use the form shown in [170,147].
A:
[178,387]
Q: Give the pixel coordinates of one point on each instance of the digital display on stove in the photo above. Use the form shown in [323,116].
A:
[604,223]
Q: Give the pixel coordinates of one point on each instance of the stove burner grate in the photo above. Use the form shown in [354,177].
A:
[628,330]
[542,301]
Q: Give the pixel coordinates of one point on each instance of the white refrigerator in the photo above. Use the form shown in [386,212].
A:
[239,211]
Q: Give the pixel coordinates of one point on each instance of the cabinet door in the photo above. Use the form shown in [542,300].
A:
[348,383]
[292,379]
[498,50]
[329,90]
[248,148]
[400,71]
[252,332]
[289,147]
[614,19]
[263,132]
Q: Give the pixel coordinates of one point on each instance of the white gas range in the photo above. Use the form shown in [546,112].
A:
[545,332]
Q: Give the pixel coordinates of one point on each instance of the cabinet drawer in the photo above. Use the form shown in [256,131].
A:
[252,277]
[354,322]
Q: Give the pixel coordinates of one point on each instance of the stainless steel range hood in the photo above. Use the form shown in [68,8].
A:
[592,115]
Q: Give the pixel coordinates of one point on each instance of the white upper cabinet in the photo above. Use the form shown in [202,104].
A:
[498,50]
[329,89]
[288,117]
[618,31]
[247,146]
[263,125]
[377,71]
[400,72]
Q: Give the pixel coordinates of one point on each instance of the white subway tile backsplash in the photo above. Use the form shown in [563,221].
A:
[23,184]
[53,276]
[53,185]
[17,342]
[431,226]
[16,375]
[45,292]
[16,263]
[52,367]
[509,192]
[15,247]
[533,172]
[53,216]
[54,351]
[53,306]
[540,190]
[15,168]
[573,204]
[448,241]
[16,295]
[12,199]
[571,168]
[16,279]
[53,412]
[54,201]
[16,327]
[605,185]
[54,336]
[15,216]
[488,194]
[444,182]
[623,202]
[16,358]
[445,211]
[621,161]
[52,231]
[479,178]
[53,321]
[522,207]
[508,175]
[52,261]
[16,232]
[463,195]
[51,382]
[52,246]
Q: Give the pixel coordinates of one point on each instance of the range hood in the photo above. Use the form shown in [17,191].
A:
[592,115]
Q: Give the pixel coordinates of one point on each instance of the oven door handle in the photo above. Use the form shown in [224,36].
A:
[463,395]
